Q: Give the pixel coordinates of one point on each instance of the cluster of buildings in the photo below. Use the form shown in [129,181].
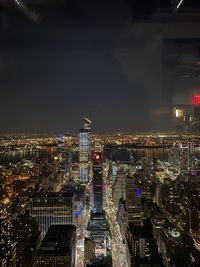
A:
[97,240]
[158,216]
[129,189]
[44,216]
[95,205]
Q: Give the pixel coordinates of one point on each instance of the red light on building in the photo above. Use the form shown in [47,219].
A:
[96,156]
[196,100]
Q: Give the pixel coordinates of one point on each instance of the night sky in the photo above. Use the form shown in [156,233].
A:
[76,59]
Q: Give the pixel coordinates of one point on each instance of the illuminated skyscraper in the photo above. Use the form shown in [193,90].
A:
[84,151]
[62,156]
[97,182]
[182,157]
[52,209]
[7,246]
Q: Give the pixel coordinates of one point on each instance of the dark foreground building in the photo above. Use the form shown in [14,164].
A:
[27,236]
[142,245]
[97,182]
[57,248]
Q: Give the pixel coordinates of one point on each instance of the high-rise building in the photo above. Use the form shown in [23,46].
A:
[89,250]
[97,182]
[122,218]
[52,209]
[182,157]
[142,245]
[27,235]
[98,229]
[133,200]
[193,219]
[119,187]
[63,158]
[7,246]
[84,151]
[172,246]
[57,248]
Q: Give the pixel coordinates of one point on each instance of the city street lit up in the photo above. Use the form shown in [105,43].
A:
[118,248]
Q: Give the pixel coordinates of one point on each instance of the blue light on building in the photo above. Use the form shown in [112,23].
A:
[138,192]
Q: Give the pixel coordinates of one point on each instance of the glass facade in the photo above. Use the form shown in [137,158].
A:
[52,210]
[84,174]
[84,154]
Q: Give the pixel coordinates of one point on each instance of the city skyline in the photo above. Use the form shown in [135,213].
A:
[99,133]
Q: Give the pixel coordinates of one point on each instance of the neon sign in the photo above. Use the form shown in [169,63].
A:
[196,100]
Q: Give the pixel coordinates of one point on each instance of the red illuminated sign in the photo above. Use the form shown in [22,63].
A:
[196,100]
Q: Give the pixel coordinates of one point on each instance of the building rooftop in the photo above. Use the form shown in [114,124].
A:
[53,194]
[144,231]
[57,240]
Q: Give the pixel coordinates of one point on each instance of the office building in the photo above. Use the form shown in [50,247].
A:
[182,157]
[52,209]
[172,246]
[62,154]
[122,218]
[193,219]
[7,246]
[84,151]
[133,200]
[57,248]
[97,182]
[89,251]
[27,236]
[119,187]
[98,231]
[142,245]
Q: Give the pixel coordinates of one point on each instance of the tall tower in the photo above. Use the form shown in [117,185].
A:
[84,151]
[62,158]
[97,182]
